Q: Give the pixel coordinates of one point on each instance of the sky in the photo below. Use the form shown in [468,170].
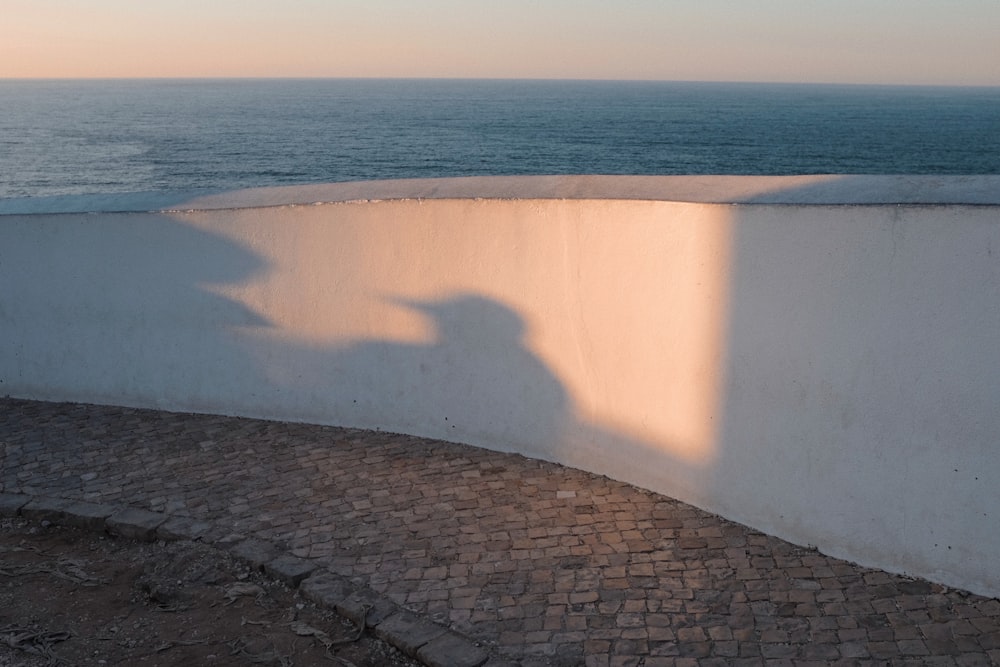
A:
[942,42]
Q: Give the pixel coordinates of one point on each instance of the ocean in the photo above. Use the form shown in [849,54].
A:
[123,136]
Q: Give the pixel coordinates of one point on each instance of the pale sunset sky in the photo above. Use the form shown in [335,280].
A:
[949,42]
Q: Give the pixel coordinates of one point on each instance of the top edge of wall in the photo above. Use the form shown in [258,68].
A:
[818,190]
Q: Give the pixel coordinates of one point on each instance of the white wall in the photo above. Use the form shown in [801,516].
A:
[816,357]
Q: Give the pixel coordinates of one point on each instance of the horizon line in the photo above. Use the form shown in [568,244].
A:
[495,78]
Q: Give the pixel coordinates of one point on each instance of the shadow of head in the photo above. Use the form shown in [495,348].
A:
[467,317]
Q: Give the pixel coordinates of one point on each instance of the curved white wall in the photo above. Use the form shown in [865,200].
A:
[818,357]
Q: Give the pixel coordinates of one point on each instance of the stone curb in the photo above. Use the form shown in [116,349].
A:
[181,528]
[135,524]
[11,504]
[290,569]
[43,508]
[409,630]
[89,516]
[450,650]
[255,553]
[418,637]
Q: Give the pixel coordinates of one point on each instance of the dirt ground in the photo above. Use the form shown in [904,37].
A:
[72,597]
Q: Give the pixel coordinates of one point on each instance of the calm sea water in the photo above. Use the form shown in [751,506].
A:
[88,137]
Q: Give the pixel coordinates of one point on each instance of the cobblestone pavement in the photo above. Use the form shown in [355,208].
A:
[537,563]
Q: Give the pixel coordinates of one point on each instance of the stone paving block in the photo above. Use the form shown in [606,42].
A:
[326,589]
[183,528]
[451,650]
[43,508]
[223,537]
[89,516]
[541,661]
[365,606]
[256,552]
[290,569]
[11,503]
[408,632]
[135,524]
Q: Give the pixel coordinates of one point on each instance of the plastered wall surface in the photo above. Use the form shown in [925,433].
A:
[816,357]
